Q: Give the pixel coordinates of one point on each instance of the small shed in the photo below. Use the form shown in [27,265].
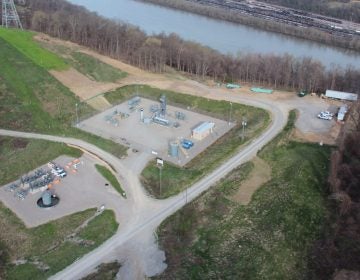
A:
[202,130]
[341,95]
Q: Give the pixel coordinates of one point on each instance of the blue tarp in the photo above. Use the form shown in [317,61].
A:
[262,90]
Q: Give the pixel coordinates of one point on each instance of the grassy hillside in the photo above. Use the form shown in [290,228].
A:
[46,248]
[175,179]
[33,100]
[23,42]
[216,238]
[86,64]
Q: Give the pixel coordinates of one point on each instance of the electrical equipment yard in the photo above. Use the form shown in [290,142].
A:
[81,189]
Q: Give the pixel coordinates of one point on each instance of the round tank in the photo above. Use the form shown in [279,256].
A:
[141,114]
[174,149]
[46,198]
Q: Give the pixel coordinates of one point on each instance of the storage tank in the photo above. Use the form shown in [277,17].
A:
[46,198]
[174,149]
[148,120]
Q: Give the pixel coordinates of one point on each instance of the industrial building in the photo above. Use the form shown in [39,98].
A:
[202,130]
[341,95]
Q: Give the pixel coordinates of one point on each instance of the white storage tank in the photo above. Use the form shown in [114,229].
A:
[174,149]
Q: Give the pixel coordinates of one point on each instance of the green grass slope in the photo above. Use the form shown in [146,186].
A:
[24,43]
[33,100]
[216,238]
[47,244]
[106,173]
[94,68]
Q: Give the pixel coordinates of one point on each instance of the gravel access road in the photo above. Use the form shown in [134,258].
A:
[144,214]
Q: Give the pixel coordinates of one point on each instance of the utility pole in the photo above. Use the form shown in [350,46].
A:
[10,17]
[160,171]
[77,114]
[244,124]
[230,113]
[160,165]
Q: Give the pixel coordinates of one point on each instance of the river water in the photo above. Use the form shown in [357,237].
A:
[223,36]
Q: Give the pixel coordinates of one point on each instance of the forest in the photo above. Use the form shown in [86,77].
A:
[66,21]
[338,251]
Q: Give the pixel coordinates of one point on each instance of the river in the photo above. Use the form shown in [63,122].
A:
[221,35]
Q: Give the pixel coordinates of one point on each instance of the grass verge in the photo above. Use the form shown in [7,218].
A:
[46,248]
[174,178]
[214,237]
[18,156]
[106,173]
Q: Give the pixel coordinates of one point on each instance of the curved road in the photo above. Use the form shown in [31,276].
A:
[148,213]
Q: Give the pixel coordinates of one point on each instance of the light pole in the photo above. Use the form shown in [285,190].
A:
[160,165]
[160,169]
[244,124]
[77,115]
[230,113]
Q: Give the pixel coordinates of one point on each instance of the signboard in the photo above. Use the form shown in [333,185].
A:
[160,162]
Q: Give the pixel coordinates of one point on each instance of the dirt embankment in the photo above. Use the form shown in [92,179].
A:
[81,85]
[260,174]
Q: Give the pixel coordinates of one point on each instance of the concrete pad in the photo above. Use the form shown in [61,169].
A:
[77,192]
[146,138]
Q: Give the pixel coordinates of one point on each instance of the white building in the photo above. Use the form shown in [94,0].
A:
[341,95]
[342,112]
[202,130]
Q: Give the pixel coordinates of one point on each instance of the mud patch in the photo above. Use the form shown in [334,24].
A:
[329,138]
[81,85]
[260,174]
[99,103]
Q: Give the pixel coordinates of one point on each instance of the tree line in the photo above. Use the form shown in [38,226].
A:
[312,34]
[339,249]
[66,21]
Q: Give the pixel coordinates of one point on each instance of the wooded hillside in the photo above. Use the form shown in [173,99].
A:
[337,254]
